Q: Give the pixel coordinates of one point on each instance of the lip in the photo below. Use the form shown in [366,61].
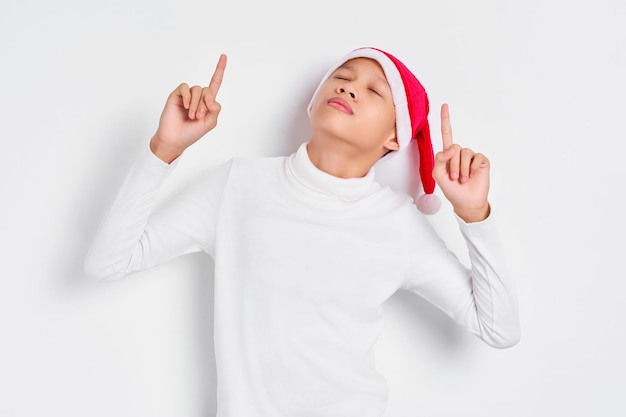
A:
[340,104]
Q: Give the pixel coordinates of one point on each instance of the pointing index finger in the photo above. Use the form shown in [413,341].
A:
[446,127]
[218,76]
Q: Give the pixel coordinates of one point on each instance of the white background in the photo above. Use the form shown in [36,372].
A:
[536,85]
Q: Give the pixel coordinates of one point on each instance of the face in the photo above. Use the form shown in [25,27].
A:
[355,105]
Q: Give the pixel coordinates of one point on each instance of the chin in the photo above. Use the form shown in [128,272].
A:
[330,124]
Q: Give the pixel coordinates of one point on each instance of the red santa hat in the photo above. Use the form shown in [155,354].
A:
[400,169]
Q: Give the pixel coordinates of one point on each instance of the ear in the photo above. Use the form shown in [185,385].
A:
[391,144]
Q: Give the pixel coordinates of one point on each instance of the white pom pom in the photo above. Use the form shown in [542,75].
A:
[428,203]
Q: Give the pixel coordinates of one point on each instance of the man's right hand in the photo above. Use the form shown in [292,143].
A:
[189,114]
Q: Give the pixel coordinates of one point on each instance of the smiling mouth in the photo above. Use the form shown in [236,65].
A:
[340,104]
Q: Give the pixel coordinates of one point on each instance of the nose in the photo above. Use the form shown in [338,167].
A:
[347,89]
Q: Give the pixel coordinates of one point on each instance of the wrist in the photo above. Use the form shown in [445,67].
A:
[473,215]
[164,151]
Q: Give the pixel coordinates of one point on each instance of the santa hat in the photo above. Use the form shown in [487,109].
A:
[398,169]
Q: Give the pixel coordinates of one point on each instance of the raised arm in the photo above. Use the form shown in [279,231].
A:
[134,235]
[481,298]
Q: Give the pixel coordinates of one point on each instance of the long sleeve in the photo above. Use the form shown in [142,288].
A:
[134,235]
[481,298]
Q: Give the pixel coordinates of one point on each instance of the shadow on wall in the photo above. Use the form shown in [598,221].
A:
[202,303]
[297,130]
[428,324]
[112,161]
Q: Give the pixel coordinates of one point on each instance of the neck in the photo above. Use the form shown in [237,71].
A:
[339,159]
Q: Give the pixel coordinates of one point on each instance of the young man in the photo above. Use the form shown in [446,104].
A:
[308,247]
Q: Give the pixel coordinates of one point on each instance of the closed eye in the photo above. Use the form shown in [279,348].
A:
[339,77]
[375,91]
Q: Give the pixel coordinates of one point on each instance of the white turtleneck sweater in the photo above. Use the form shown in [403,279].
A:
[303,264]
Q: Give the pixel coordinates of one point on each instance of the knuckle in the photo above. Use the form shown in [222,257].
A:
[481,157]
[182,89]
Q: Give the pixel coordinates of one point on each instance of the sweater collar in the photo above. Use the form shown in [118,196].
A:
[323,184]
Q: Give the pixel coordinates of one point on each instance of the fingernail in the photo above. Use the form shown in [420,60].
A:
[454,175]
